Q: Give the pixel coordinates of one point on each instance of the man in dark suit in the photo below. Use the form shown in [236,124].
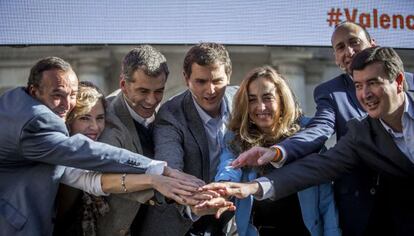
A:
[356,192]
[188,128]
[382,141]
[35,141]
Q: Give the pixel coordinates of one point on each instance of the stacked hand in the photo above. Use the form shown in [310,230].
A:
[255,156]
[186,189]
[239,190]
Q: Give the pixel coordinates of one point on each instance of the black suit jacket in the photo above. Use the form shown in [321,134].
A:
[365,142]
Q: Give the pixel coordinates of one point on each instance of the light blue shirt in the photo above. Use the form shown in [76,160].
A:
[215,129]
[405,139]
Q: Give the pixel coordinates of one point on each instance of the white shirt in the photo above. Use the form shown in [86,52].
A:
[135,116]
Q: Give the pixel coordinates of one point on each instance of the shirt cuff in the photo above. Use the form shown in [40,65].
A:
[267,188]
[284,156]
[193,217]
[156,167]
[88,181]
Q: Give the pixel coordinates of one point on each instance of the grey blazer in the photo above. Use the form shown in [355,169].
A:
[180,140]
[120,131]
[33,142]
[365,142]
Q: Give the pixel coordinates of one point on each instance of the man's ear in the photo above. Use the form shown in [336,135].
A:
[373,43]
[32,90]
[122,84]
[400,82]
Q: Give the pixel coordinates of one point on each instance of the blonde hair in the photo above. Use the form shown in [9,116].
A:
[247,134]
[88,95]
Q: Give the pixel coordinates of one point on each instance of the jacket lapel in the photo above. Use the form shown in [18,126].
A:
[389,149]
[196,128]
[123,114]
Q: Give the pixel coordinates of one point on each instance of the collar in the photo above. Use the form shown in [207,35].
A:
[408,110]
[141,120]
[206,117]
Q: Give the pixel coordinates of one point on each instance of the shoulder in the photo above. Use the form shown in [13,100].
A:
[231,90]
[410,80]
[175,105]
[332,84]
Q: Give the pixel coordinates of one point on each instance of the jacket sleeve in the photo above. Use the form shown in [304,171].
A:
[224,171]
[318,130]
[168,140]
[45,139]
[317,168]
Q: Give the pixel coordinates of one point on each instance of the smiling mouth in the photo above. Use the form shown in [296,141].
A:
[371,105]
[61,114]
[263,115]
[92,136]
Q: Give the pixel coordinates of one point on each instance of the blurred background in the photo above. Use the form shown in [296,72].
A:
[293,36]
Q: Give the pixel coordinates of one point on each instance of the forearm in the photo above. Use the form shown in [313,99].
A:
[112,183]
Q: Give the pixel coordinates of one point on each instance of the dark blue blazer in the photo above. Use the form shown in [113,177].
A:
[34,147]
[337,104]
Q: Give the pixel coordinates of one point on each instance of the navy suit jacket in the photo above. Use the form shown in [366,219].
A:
[366,142]
[33,143]
[337,104]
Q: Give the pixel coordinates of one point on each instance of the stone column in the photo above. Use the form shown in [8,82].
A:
[290,63]
[314,74]
[295,74]
[92,70]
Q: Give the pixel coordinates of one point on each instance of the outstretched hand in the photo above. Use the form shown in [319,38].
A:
[176,174]
[255,156]
[216,206]
[239,190]
[176,189]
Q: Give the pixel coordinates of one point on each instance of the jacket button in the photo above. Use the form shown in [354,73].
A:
[372,191]
[151,202]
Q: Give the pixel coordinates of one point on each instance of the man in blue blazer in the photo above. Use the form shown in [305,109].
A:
[383,141]
[34,142]
[356,192]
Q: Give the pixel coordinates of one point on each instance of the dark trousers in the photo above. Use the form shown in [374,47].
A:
[281,217]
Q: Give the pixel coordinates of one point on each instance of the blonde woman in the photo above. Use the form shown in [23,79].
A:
[265,112]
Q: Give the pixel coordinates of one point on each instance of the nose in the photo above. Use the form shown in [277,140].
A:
[93,125]
[65,102]
[349,51]
[261,106]
[151,99]
[211,88]
[367,92]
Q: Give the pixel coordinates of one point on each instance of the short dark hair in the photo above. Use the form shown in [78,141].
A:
[389,58]
[44,64]
[146,58]
[345,23]
[205,54]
